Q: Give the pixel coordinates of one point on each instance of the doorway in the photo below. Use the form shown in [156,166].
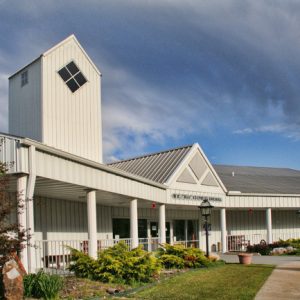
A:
[154,230]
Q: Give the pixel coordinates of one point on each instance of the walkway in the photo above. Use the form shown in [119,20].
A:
[283,283]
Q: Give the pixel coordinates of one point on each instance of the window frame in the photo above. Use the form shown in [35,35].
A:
[72,78]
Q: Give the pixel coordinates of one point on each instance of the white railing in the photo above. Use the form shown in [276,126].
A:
[54,256]
[149,244]
[188,243]
[239,242]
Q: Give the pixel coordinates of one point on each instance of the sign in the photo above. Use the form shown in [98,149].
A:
[195,197]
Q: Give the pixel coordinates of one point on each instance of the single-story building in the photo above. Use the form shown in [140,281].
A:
[73,198]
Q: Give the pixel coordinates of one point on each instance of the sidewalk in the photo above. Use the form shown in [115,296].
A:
[283,283]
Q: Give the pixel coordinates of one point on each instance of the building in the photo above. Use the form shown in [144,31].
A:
[72,198]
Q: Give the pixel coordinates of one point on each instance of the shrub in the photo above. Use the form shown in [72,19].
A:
[265,249]
[42,285]
[116,264]
[171,261]
[82,265]
[191,257]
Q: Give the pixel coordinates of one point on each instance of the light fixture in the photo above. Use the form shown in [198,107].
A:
[205,209]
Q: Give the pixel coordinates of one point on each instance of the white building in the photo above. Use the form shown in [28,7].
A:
[55,142]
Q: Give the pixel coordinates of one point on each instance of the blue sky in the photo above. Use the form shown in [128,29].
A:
[224,73]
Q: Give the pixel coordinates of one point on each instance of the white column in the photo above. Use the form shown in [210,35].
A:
[269,225]
[92,222]
[162,223]
[22,215]
[223,230]
[134,224]
[171,233]
[185,231]
[200,230]
[30,209]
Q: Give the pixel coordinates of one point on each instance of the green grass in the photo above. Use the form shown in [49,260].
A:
[230,281]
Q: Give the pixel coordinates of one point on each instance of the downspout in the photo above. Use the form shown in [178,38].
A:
[30,207]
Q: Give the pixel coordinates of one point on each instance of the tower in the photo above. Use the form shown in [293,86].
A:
[56,100]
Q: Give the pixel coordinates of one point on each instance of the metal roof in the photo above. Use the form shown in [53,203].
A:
[156,166]
[160,166]
[259,179]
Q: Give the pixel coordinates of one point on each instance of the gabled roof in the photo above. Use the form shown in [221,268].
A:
[161,166]
[259,179]
[156,166]
[71,37]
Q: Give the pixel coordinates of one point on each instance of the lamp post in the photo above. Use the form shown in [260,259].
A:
[205,209]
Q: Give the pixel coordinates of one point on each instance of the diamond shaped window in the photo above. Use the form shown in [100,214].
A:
[72,76]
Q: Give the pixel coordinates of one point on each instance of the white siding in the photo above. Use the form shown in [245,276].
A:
[25,104]
[50,166]
[72,121]
[261,201]
[57,219]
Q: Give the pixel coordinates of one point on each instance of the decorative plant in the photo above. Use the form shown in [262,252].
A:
[178,256]
[116,264]
[42,285]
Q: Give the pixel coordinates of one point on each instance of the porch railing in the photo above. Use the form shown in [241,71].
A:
[240,242]
[188,244]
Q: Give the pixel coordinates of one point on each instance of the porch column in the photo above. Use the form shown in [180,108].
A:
[269,225]
[134,224]
[162,223]
[185,232]
[22,215]
[92,222]
[223,230]
[171,233]
[199,230]
[30,209]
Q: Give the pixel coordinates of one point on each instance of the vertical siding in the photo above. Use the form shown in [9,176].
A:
[286,224]
[72,121]
[25,104]
[57,219]
[245,222]
[8,152]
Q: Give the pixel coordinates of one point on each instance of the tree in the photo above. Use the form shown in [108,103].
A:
[12,236]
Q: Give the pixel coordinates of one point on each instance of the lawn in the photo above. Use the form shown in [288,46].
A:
[230,281]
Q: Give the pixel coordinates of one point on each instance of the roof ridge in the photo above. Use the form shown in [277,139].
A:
[257,167]
[150,154]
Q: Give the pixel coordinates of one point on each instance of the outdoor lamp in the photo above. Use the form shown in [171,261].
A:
[205,209]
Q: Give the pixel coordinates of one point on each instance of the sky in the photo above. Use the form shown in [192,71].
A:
[225,74]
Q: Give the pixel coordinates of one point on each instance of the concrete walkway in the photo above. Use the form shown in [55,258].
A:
[283,283]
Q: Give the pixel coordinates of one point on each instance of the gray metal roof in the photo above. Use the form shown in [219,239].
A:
[156,166]
[259,179]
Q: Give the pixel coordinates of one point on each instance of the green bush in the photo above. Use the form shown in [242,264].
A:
[42,285]
[171,261]
[191,257]
[116,264]
[265,249]
[82,265]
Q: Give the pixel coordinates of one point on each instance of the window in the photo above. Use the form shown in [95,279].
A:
[72,76]
[24,78]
